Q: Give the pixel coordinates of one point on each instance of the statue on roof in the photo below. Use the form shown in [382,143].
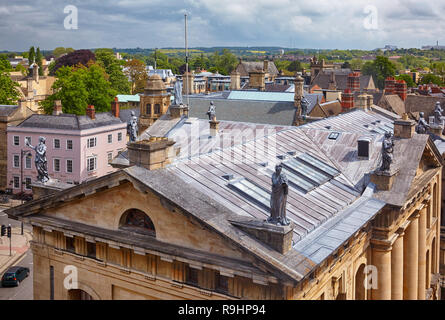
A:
[132,127]
[422,126]
[212,112]
[304,107]
[40,159]
[278,199]
[178,94]
[387,150]
[438,114]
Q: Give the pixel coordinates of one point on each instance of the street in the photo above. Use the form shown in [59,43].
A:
[25,290]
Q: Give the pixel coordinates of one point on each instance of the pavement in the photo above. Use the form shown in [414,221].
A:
[19,243]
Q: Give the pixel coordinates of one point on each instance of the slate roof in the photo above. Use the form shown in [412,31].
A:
[323,80]
[70,121]
[393,103]
[426,104]
[7,110]
[251,110]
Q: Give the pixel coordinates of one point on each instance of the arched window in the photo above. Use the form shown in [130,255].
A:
[157,108]
[77,294]
[360,290]
[136,220]
[148,108]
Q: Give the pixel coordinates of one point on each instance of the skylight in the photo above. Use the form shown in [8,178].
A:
[252,191]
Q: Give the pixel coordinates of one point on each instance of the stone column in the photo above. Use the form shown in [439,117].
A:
[422,255]
[397,268]
[381,259]
[411,259]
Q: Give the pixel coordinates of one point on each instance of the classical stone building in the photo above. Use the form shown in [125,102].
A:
[34,88]
[186,216]
[9,116]
[154,102]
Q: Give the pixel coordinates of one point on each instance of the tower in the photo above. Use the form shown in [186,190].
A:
[154,102]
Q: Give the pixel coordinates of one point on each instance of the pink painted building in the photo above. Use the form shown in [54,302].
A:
[79,148]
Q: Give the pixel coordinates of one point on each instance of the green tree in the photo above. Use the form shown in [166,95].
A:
[39,61]
[5,66]
[57,52]
[379,69]
[432,78]
[113,67]
[408,79]
[80,86]
[356,64]
[9,90]
[31,56]
[295,66]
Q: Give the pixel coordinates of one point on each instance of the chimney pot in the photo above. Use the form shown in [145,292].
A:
[91,112]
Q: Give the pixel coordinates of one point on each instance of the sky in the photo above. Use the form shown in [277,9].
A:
[318,24]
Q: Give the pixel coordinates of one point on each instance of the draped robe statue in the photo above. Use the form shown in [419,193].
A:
[40,160]
[178,94]
[212,112]
[132,127]
[387,150]
[422,125]
[278,199]
[438,114]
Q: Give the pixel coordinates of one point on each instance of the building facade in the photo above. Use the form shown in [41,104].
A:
[79,148]
[186,220]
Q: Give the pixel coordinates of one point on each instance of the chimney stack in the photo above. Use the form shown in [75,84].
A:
[401,89]
[115,107]
[91,112]
[235,80]
[390,85]
[57,110]
[404,128]
[354,81]
[151,154]
[362,101]
[347,100]
[266,66]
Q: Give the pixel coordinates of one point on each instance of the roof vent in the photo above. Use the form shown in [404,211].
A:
[334,136]
[282,157]
[228,177]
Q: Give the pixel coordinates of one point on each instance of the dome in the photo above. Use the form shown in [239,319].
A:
[155,83]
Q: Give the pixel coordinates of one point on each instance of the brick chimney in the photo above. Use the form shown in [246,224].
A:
[91,112]
[57,110]
[390,85]
[151,154]
[354,81]
[401,89]
[347,100]
[115,107]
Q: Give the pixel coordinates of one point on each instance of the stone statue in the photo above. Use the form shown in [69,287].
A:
[278,199]
[178,94]
[438,114]
[40,160]
[422,125]
[304,107]
[132,127]
[387,150]
[212,112]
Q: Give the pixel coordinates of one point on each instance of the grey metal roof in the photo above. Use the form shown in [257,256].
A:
[69,121]
[336,231]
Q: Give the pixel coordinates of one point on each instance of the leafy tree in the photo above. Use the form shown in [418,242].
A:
[9,90]
[39,61]
[379,69]
[408,79]
[31,55]
[136,72]
[113,67]
[295,66]
[5,66]
[74,58]
[356,64]
[80,86]
[57,52]
[431,78]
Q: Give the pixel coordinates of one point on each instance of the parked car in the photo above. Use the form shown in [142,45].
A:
[14,275]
